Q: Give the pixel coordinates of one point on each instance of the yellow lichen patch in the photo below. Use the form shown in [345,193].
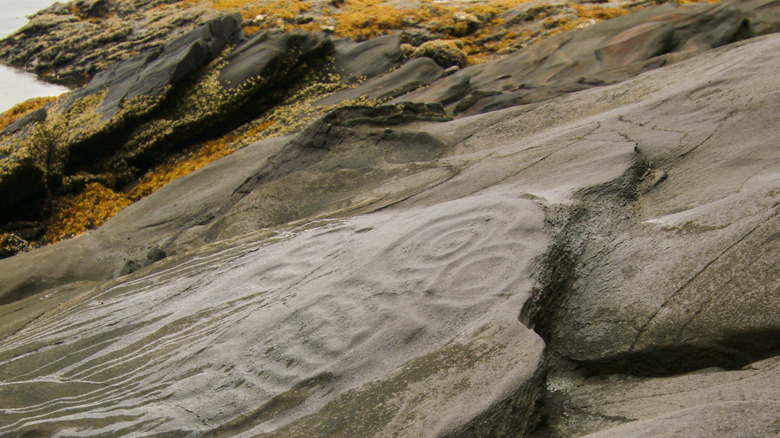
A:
[489,10]
[22,109]
[85,211]
[250,9]
[364,19]
[284,9]
[11,244]
[599,11]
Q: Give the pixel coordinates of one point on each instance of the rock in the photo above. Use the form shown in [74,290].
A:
[415,37]
[71,134]
[604,53]
[11,244]
[125,102]
[270,55]
[375,354]
[724,419]
[711,305]
[38,115]
[442,52]
[69,44]
[636,44]
[763,16]
[474,97]
[365,60]
[385,115]
[349,151]
[152,75]
[412,75]
[465,24]
[734,403]
[602,262]
[444,92]
[92,8]
[408,49]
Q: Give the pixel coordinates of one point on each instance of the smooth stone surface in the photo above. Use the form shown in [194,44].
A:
[286,338]
[734,403]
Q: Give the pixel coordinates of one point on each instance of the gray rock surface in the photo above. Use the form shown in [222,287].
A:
[354,349]
[600,263]
[710,294]
[735,403]
[365,60]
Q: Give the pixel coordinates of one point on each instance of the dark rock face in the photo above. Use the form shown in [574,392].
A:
[152,75]
[411,76]
[271,54]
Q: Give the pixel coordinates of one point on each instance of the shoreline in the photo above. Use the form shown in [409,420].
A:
[17,84]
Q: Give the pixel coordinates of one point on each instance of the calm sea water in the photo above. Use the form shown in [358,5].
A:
[16,86]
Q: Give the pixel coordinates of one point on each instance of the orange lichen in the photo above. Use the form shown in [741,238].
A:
[284,9]
[22,109]
[85,211]
[364,19]
[599,11]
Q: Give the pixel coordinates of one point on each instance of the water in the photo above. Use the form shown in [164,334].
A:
[16,86]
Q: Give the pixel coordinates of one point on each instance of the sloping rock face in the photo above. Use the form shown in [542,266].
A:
[353,351]
[601,264]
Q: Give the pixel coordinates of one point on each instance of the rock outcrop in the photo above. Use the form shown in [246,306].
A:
[134,114]
[605,53]
[601,263]
[69,43]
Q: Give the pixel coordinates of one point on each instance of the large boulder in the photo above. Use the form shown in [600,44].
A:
[152,75]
